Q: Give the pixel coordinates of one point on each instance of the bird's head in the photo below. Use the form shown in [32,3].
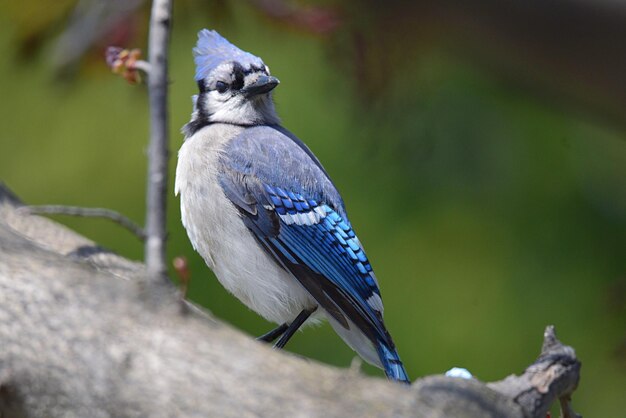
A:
[234,86]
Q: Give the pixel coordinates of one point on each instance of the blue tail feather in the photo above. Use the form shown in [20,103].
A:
[394,369]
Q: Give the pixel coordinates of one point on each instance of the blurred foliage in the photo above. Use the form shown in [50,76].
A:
[487,213]
[32,21]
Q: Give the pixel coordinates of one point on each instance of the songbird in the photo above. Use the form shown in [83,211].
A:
[264,214]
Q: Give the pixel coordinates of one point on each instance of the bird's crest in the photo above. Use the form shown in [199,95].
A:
[213,49]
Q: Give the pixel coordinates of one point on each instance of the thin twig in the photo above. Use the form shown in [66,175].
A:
[142,66]
[109,214]
[566,408]
[181,267]
[160,24]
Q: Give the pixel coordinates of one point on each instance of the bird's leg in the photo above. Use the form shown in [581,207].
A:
[273,334]
[293,327]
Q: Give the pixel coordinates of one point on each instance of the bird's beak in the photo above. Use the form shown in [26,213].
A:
[263,84]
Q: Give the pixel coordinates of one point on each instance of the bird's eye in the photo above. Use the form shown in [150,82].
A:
[221,87]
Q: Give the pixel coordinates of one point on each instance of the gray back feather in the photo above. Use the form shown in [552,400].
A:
[278,158]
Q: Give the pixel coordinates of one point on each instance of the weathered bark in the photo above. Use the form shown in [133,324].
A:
[158,151]
[83,333]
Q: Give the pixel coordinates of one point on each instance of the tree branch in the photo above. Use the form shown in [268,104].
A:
[109,214]
[553,376]
[158,153]
[84,332]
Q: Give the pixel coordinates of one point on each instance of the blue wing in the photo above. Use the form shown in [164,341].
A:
[296,214]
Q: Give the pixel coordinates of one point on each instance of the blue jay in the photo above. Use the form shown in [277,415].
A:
[263,213]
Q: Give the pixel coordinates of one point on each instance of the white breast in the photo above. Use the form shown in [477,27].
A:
[217,232]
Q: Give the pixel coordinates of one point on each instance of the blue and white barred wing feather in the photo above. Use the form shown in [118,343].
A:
[296,214]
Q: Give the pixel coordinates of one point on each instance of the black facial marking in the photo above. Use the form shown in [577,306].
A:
[202,86]
[201,104]
[202,118]
[239,73]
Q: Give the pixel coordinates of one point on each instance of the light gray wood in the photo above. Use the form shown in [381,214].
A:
[83,333]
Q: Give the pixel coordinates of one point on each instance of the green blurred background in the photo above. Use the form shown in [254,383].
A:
[488,211]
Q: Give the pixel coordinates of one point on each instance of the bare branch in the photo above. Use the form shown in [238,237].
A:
[81,334]
[109,214]
[158,153]
[554,375]
[143,66]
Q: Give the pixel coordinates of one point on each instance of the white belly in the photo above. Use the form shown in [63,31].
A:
[217,232]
